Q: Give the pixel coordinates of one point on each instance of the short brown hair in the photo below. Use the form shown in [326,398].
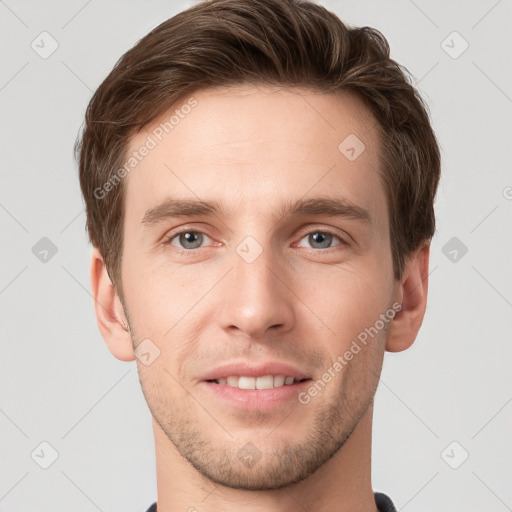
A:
[276,42]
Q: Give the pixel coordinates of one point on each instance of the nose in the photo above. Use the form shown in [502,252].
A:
[257,297]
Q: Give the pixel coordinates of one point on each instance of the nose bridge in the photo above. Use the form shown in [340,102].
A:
[254,266]
[256,298]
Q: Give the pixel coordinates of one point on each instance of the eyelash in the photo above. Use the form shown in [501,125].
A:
[190,252]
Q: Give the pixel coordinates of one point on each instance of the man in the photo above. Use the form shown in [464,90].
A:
[259,182]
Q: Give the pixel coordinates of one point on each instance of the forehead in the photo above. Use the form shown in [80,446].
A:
[250,146]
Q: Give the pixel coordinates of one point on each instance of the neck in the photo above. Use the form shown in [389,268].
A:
[342,484]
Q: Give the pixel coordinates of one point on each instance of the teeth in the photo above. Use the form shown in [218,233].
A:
[263,382]
[278,381]
[232,381]
[247,383]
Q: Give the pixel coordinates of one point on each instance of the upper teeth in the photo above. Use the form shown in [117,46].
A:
[264,382]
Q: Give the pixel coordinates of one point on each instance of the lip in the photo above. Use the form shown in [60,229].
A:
[260,399]
[245,368]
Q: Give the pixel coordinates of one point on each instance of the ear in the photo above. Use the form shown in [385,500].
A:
[411,292]
[110,316]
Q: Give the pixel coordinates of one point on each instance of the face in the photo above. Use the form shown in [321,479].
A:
[257,251]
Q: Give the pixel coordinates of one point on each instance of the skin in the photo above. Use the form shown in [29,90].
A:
[299,302]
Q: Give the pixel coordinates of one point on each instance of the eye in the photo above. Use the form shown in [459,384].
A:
[187,239]
[321,240]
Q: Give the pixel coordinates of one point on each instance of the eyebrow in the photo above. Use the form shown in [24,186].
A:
[176,208]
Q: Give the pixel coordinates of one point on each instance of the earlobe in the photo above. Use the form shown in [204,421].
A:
[412,292]
[110,316]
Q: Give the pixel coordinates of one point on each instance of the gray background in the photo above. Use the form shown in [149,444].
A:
[59,383]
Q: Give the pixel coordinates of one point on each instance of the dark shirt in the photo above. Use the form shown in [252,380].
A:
[384,504]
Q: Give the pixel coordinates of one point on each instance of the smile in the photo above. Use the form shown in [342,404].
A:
[263,382]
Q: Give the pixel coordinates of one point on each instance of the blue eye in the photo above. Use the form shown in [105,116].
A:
[321,239]
[188,239]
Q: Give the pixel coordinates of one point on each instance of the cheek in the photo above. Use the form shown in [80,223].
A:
[347,298]
[165,306]
[158,294]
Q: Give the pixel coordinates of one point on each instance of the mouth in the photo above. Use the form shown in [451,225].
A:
[248,386]
[262,382]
